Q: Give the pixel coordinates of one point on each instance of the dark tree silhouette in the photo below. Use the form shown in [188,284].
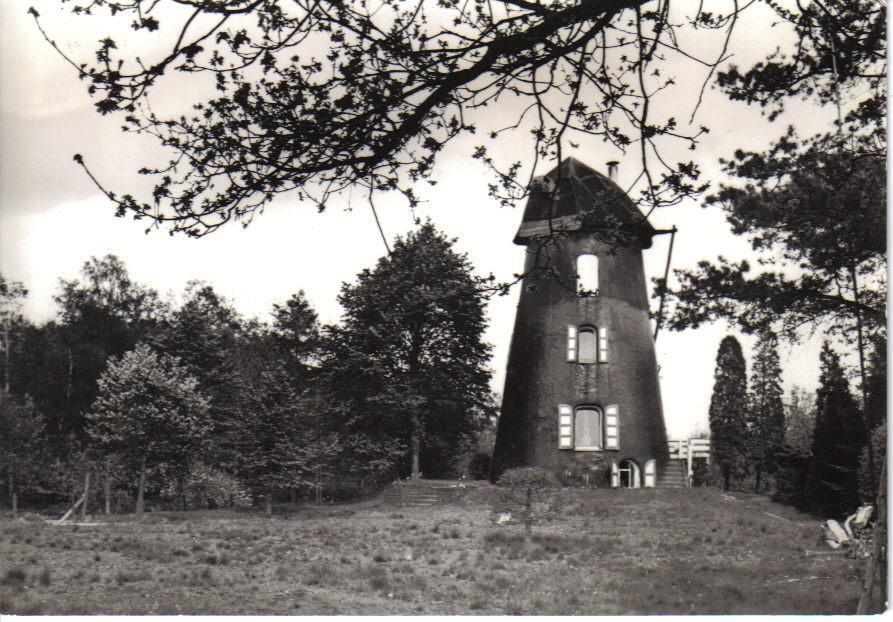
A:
[315,96]
[765,421]
[727,414]
[837,441]
[408,360]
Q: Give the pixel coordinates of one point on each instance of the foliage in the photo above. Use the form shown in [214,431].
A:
[793,481]
[408,361]
[817,220]
[876,386]
[101,314]
[12,293]
[318,97]
[282,439]
[23,452]
[838,440]
[202,335]
[148,408]
[840,53]
[765,413]
[479,466]
[866,479]
[799,419]
[205,487]
[528,494]
[728,404]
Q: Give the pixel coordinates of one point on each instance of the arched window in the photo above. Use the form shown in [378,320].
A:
[587,274]
[587,343]
[587,428]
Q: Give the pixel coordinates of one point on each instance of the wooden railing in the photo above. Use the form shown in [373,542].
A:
[688,450]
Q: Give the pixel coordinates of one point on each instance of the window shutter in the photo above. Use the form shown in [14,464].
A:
[612,427]
[565,427]
[571,344]
[615,475]
[650,474]
[603,344]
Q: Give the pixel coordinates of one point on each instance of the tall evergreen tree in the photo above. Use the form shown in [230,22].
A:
[765,421]
[409,357]
[727,414]
[837,441]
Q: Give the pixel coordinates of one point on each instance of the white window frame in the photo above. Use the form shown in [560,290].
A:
[650,474]
[612,427]
[603,344]
[565,426]
[571,343]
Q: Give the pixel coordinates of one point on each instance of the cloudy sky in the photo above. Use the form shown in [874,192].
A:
[52,218]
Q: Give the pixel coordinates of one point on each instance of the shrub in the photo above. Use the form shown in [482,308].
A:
[528,493]
[879,445]
[205,486]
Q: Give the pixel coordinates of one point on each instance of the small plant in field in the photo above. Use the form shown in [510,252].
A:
[14,577]
[378,579]
[528,495]
[45,577]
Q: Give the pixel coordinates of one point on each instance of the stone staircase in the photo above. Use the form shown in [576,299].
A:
[421,493]
[673,475]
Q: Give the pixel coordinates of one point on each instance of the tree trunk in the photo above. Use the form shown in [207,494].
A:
[414,445]
[268,510]
[141,489]
[6,322]
[13,494]
[86,496]
[875,576]
[318,487]
[872,467]
[725,478]
[107,489]
[757,480]
[528,512]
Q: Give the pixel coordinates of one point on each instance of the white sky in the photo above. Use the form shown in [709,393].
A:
[52,219]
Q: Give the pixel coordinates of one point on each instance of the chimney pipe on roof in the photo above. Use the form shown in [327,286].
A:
[612,170]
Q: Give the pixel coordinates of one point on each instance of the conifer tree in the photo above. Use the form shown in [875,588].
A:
[837,441]
[765,425]
[728,405]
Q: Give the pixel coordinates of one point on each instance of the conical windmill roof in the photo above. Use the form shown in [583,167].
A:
[585,200]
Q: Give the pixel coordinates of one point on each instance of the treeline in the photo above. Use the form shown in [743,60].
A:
[812,452]
[193,405]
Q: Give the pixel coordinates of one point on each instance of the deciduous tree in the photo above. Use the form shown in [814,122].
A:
[149,411]
[408,360]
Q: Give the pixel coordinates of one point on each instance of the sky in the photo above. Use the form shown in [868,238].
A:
[52,218]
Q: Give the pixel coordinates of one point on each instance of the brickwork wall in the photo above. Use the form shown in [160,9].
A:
[539,378]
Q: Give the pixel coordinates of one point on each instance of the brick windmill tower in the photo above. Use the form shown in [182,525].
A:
[581,386]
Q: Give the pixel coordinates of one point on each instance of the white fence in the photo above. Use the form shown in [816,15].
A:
[688,450]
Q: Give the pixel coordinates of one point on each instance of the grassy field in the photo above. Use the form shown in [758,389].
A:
[609,552]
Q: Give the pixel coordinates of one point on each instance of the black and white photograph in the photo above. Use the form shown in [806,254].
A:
[443,307]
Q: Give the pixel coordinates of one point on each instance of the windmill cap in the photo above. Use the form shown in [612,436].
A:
[585,200]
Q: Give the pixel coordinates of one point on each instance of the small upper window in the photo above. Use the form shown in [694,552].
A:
[587,274]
